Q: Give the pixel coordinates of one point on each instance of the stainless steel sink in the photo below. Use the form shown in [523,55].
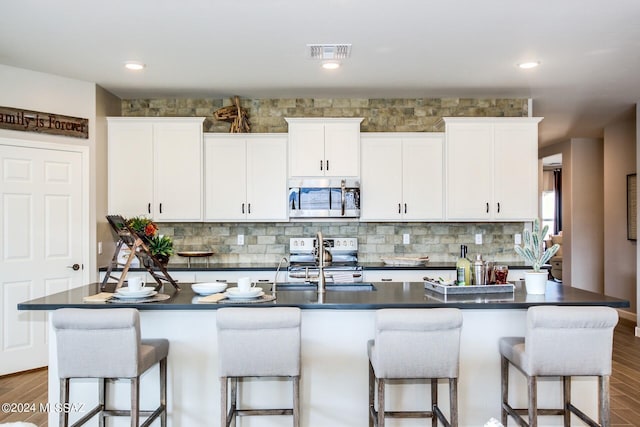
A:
[345,287]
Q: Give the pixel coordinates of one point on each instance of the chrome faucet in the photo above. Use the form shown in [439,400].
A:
[319,247]
[275,279]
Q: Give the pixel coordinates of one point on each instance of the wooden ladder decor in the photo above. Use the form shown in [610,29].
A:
[139,248]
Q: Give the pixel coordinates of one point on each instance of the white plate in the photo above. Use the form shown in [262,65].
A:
[141,293]
[208,288]
[245,296]
[253,292]
[127,296]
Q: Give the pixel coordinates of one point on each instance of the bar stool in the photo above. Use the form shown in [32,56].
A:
[257,342]
[560,342]
[105,344]
[415,344]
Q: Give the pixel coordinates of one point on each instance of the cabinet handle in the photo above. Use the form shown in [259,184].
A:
[264,280]
[327,164]
[385,280]
[243,208]
[221,280]
[487,207]
[249,208]
[498,207]
[160,207]
[405,208]
[321,164]
[399,208]
[149,207]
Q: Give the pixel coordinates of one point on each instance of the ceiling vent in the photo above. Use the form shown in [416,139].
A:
[329,51]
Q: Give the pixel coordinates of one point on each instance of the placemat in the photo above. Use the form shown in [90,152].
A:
[155,298]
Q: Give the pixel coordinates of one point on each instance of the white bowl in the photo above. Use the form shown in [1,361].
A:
[208,288]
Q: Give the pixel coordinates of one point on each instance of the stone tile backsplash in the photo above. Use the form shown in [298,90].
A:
[267,243]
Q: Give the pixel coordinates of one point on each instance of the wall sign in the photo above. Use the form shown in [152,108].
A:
[36,121]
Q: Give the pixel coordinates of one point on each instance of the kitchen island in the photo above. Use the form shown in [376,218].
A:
[335,329]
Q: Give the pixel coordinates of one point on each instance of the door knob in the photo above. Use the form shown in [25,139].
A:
[75,267]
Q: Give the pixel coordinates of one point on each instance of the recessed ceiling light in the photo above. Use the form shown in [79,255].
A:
[331,65]
[134,65]
[527,65]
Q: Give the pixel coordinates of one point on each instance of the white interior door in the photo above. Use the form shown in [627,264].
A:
[42,231]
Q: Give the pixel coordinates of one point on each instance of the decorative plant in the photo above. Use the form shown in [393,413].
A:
[161,246]
[532,246]
[143,226]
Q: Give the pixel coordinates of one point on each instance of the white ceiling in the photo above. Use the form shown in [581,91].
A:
[589,50]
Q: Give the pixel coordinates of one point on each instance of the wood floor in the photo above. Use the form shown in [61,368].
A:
[30,388]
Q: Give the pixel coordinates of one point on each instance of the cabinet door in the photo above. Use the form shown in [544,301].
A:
[267,178]
[516,171]
[422,178]
[306,149]
[225,178]
[178,171]
[469,171]
[381,187]
[130,152]
[342,149]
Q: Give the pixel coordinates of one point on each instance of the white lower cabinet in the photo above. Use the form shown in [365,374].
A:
[245,177]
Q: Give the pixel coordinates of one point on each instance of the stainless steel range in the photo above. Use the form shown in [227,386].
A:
[303,266]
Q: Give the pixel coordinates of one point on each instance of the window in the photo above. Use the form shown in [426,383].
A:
[548,211]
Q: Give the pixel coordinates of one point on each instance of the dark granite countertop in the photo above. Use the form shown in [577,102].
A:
[386,295]
[515,265]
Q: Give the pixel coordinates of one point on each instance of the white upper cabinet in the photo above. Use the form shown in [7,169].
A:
[492,168]
[245,177]
[155,167]
[324,147]
[402,176]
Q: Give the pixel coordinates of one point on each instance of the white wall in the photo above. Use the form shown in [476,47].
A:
[587,200]
[31,90]
[582,212]
[619,253]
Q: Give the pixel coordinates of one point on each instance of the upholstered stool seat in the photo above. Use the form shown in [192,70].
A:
[106,344]
[415,344]
[560,342]
[257,342]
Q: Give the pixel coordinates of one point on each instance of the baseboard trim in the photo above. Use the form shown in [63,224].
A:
[637,332]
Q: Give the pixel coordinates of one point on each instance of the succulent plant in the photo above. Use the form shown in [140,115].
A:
[532,246]
[161,246]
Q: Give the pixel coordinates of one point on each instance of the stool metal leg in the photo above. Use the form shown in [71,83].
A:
[532,383]
[372,395]
[223,401]
[603,400]
[434,402]
[380,402]
[566,397]
[163,392]
[504,375]
[64,398]
[234,402]
[453,401]
[135,402]
[102,392]
[296,401]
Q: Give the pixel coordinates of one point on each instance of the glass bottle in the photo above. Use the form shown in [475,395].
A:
[463,268]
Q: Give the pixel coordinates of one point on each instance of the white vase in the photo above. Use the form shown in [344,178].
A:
[535,282]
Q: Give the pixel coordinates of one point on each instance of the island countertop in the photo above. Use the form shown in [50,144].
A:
[336,327]
[385,295]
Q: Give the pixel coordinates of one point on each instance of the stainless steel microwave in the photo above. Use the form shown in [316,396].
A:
[324,198]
